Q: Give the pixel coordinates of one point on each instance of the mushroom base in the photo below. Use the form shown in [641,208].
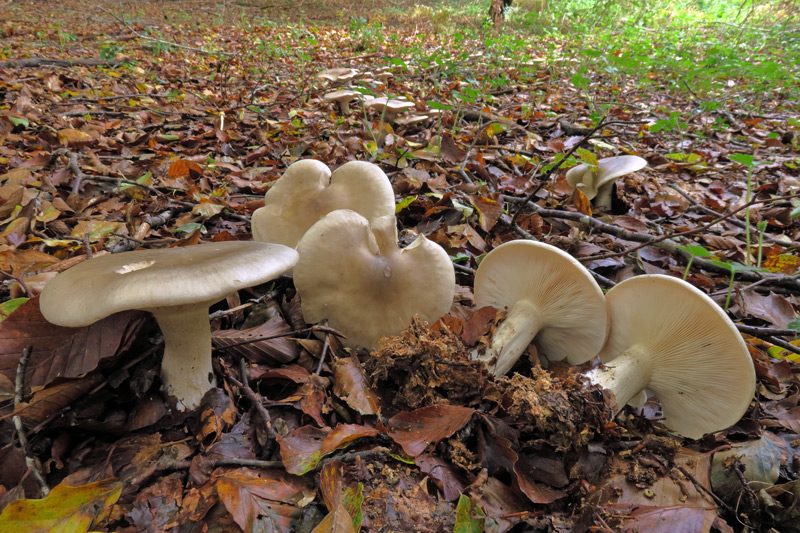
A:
[627,375]
[511,338]
[186,372]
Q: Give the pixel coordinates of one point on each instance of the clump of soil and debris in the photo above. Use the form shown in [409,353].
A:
[426,366]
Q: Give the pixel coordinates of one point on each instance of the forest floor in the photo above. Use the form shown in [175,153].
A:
[130,125]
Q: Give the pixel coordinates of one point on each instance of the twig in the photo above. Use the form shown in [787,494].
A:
[35,62]
[325,346]
[734,221]
[19,392]
[323,329]
[783,344]
[667,244]
[255,401]
[755,331]
[669,464]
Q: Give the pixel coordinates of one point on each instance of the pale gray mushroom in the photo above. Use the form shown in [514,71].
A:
[550,299]
[668,337]
[352,274]
[411,120]
[307,191]
[389,106]
[340,75]
[176,285]
[599,184]
[342,98]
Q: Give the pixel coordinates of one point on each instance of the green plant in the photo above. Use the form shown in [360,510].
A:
[694,251]
[747,160]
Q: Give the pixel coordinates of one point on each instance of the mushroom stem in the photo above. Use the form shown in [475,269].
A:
[627,375]
[186,372]
[520,326]
[603,199]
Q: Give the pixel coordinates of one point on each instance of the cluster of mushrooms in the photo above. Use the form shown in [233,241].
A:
[336,234]
[394,110]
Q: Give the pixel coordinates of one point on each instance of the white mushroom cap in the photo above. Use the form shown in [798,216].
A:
[668,337]
[600,183]
[551,300]
[177,285]
[338,74]
[352,273]
[392,106]
[410,120]
[307,191]
[343,98]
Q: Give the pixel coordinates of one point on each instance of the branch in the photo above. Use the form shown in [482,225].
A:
[19,392]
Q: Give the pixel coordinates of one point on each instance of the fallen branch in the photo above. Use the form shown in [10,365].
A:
[19,392]
[35,62]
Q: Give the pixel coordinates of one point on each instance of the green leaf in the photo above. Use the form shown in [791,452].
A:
[795,212]
[794,324]
[695,250]
[189,227]
[66,509]
[465,523]
[685,158]
[579,80]
[587,157]
[353,499]
[465,209]
[8,307]
[405,202]
[744,159]
[438,105]
[19,121]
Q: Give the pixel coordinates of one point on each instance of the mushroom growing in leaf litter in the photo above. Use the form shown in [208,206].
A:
[307,191]
[352,273]
[176,285]
[551,300]
[668,337]
[600,183]
[343,98]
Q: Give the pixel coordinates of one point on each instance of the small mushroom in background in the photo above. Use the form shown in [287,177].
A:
[411,120]
[307,191]
[389,107]
[338,75]
[599,184]
[551,300]
[343,99]
[352,273]
[668,337]
[176,285]
[384,75]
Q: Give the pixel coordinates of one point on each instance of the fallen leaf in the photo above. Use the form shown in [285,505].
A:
[66,509]
[414,431]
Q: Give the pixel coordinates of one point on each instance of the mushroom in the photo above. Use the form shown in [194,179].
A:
[340,75]
[551,300]
[668,337]
[389,107]
[343,98]
[352,273]
[176,285]
[411,120]
[308,190]
[600,183]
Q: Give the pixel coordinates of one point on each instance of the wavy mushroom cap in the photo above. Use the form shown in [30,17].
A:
[558,292]
[352,273]
[307,191]
[688,351]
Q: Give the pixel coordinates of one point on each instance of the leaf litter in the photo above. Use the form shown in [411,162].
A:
[169,147]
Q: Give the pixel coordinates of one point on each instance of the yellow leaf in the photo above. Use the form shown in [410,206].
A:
[582,202]
[96,229]
[66,509]
[783,263]
[71,137]
[207,209]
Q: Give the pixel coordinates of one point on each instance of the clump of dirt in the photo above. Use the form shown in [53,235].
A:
[425,366]
[559,411]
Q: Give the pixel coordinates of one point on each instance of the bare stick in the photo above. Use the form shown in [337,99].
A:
[19,392]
